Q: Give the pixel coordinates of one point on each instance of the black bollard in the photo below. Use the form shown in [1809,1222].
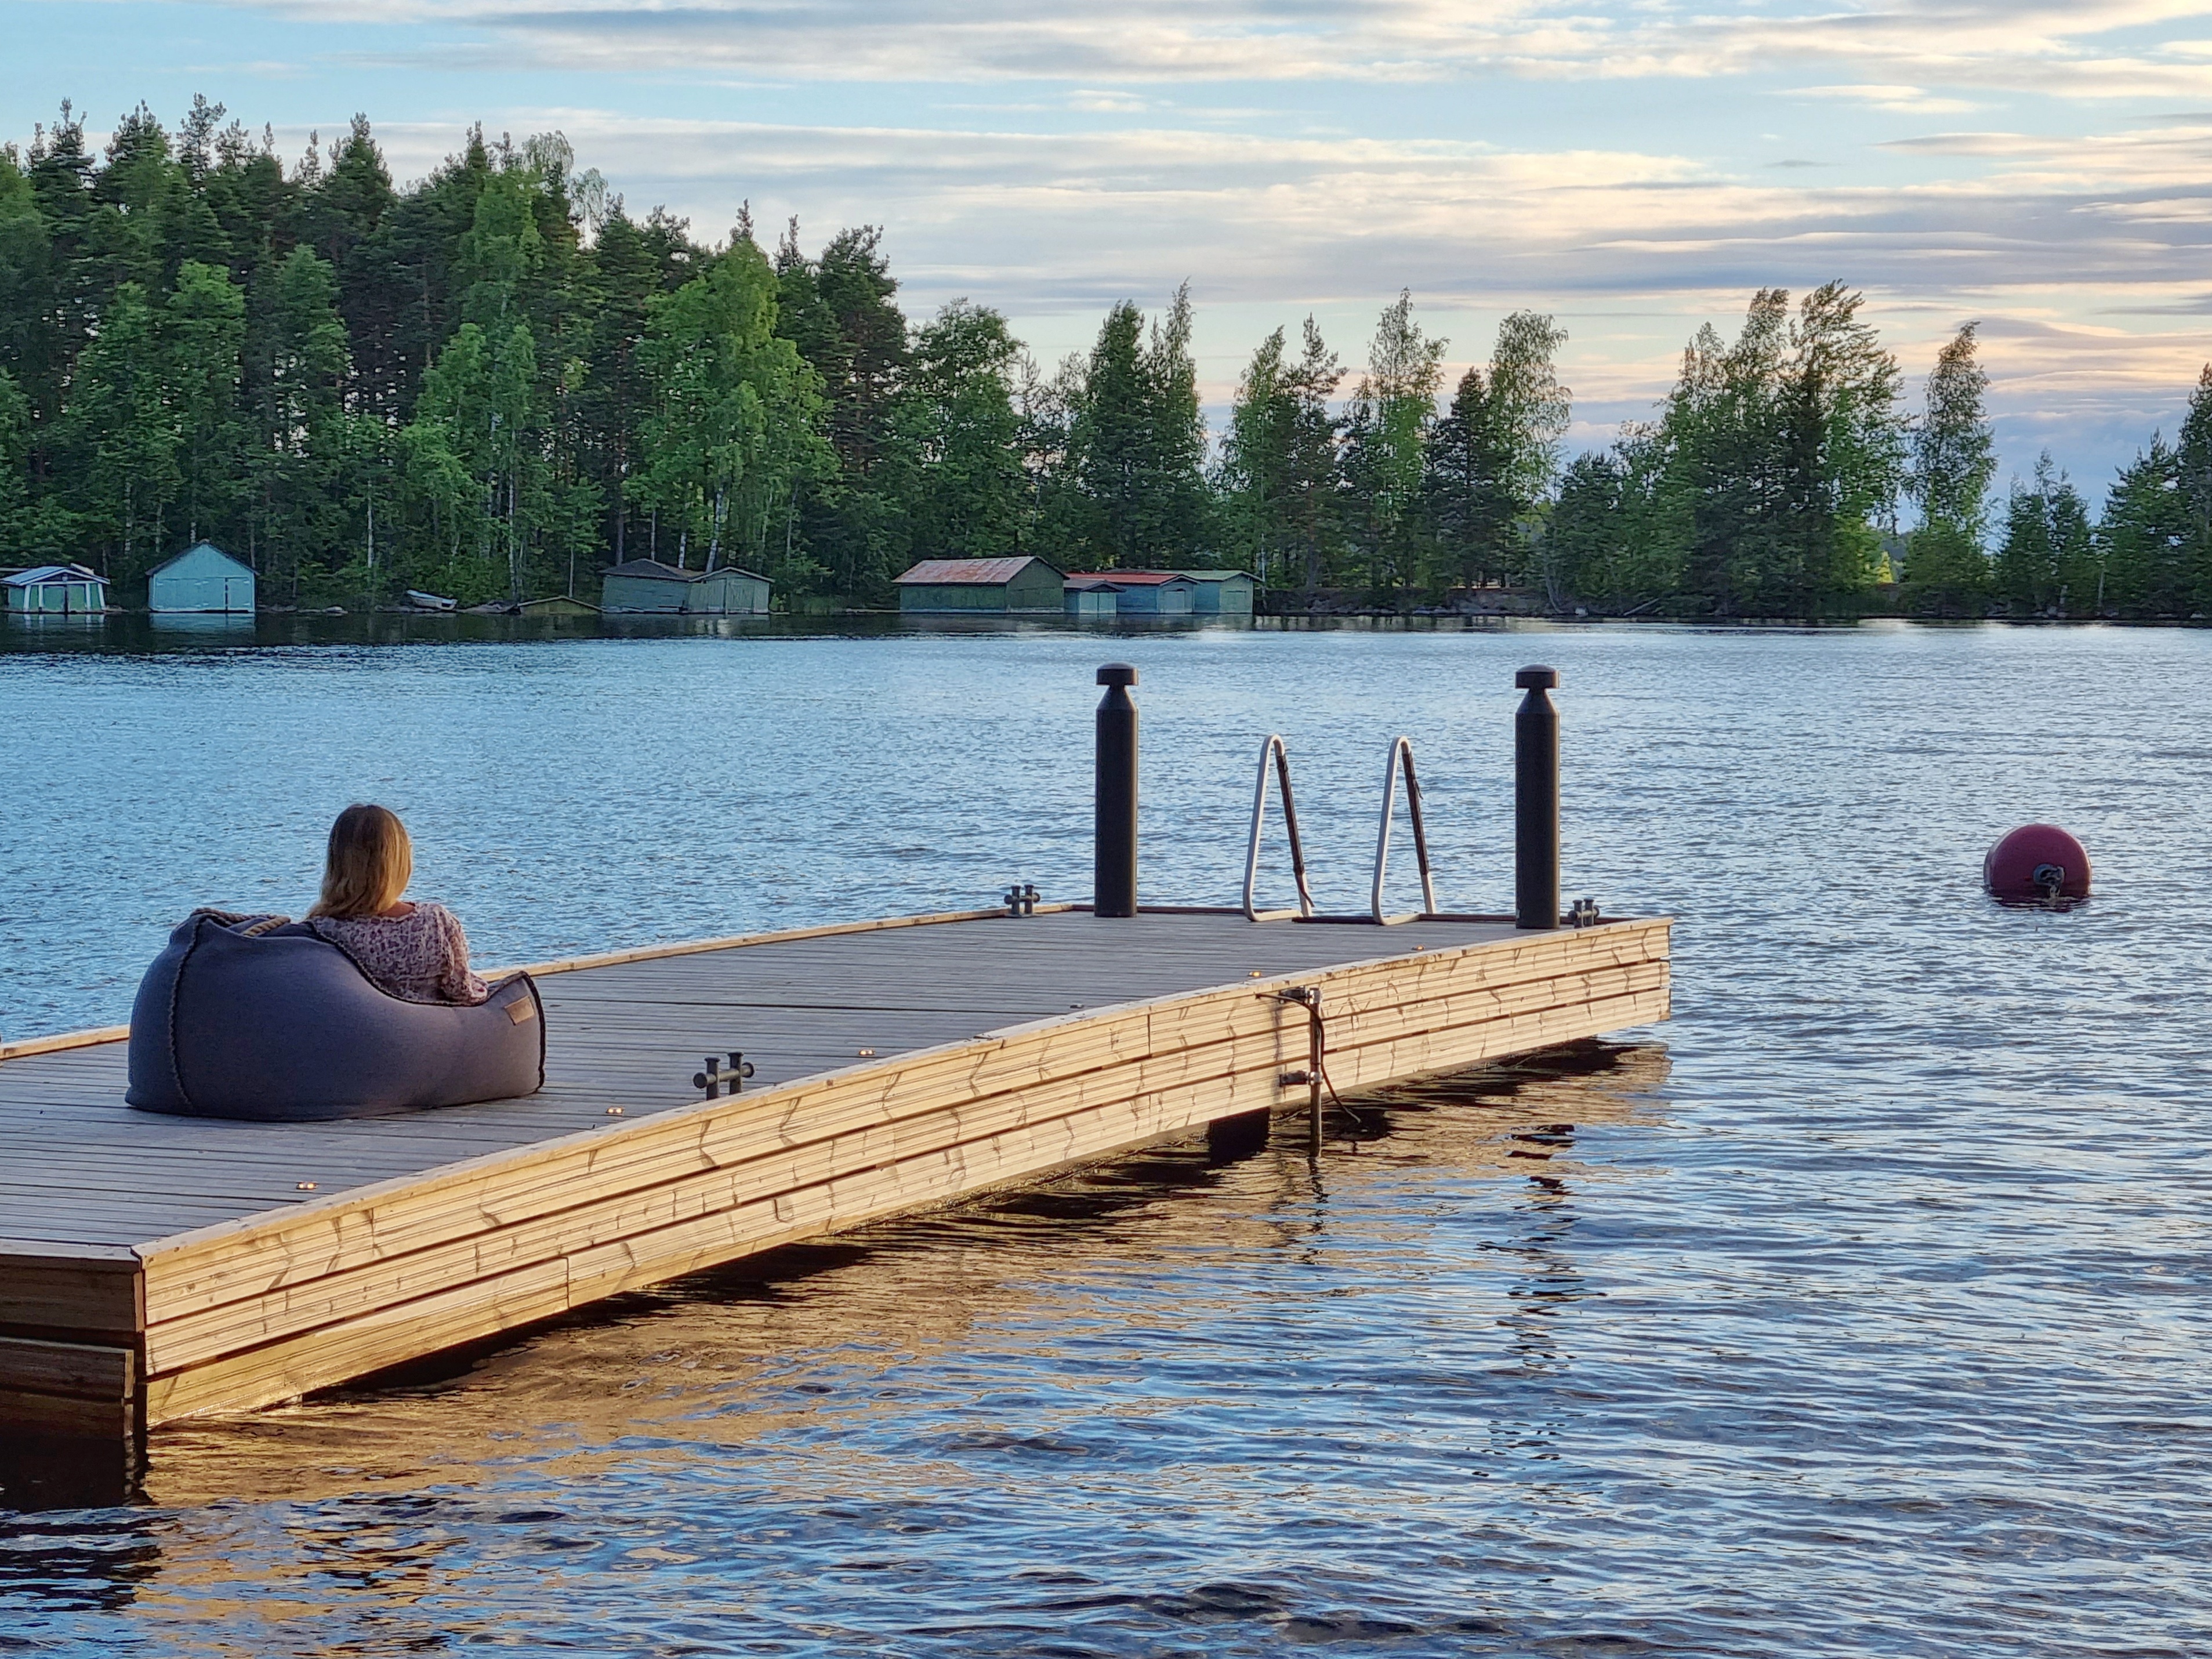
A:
[1114,886]
[1536,802]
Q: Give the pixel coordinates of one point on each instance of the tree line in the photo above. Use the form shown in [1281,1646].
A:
[494,382]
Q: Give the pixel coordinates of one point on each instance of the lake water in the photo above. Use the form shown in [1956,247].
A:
[1861,1310]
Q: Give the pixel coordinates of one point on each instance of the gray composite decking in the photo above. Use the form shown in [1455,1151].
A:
[152,1267]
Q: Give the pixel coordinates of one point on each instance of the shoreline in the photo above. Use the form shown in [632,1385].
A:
[140,632]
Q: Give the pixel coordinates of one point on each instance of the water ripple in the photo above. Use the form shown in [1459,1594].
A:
[1860,1310]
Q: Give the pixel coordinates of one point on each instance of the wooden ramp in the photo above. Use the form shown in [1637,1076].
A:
[152,1268]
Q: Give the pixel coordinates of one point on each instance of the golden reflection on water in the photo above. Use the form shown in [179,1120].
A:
[768,1348]
[798,1425]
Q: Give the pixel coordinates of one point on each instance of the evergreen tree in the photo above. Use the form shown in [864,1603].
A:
[28,339]
[1063,520]
[62,283]
[840,311]
[1386,437]
[408,265]
[344,220]
[1495,455]
[1619,531]
[1582,546]
[297,364]
[1136,442]
[1775,455]
[15,458]
[120,440]
[1847,450]
[2193,466]
[1110,443]
[1256,458]
[960,428]
[630,266]
[130,201]
[1279,475]
[190,233]
[1177,526]
[2144,537]
[2048,560]
[1312,524]
[202,333]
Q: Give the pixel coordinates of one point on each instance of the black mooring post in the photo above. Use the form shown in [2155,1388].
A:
[1536,802]
[1114,886]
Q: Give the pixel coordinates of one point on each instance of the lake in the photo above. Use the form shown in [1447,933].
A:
[1859,1309]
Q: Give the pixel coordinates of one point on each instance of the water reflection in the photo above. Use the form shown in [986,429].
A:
[142,634]
[813,1339]
[1871,1321]
[87,1562]
[849,1410]
[174,627]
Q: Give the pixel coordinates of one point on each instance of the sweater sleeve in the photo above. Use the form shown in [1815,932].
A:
[455,982]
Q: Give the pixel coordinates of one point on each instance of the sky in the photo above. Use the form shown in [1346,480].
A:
[1633,167]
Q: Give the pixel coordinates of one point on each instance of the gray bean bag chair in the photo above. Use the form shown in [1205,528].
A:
[258,1018]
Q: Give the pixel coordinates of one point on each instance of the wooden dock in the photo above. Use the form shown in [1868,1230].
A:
[155,1267]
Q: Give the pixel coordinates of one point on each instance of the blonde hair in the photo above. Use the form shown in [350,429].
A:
[368,864]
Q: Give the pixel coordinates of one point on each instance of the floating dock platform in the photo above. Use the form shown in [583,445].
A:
[155,1267]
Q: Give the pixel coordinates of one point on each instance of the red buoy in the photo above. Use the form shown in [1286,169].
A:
[2037,862]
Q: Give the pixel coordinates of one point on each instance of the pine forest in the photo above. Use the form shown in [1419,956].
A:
[495,382]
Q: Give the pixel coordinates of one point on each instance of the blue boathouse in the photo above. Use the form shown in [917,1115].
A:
[202,578]
[55,590]
[1161,593]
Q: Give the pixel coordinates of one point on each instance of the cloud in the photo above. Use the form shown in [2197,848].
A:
[1051,160]
[1902,47]
[1109,103]
[1904,101]
[1974,144]
[1045,221]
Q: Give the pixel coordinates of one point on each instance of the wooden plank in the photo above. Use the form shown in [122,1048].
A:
[1426,1053]
[330,1354]
[29,1416]
[580,1206]
[480,1220]
[67,1390]
[486,1184]
[79,1368]
[673,1145]
[580,1212]
[283,1371]
[106,1034]
[1481,1002]
[65,1040]
[82,1287]
[741,941]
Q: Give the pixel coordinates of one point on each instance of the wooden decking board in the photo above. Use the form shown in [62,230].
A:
[800,1164]
[1001,1047]
[727,1178]
[888,1080]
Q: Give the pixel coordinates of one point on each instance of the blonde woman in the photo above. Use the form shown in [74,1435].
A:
[417,953]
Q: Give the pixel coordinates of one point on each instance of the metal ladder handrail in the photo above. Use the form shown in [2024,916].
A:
[1401,746]
[1273,749]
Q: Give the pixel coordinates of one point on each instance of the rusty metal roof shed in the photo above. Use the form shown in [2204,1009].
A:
[962,573]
